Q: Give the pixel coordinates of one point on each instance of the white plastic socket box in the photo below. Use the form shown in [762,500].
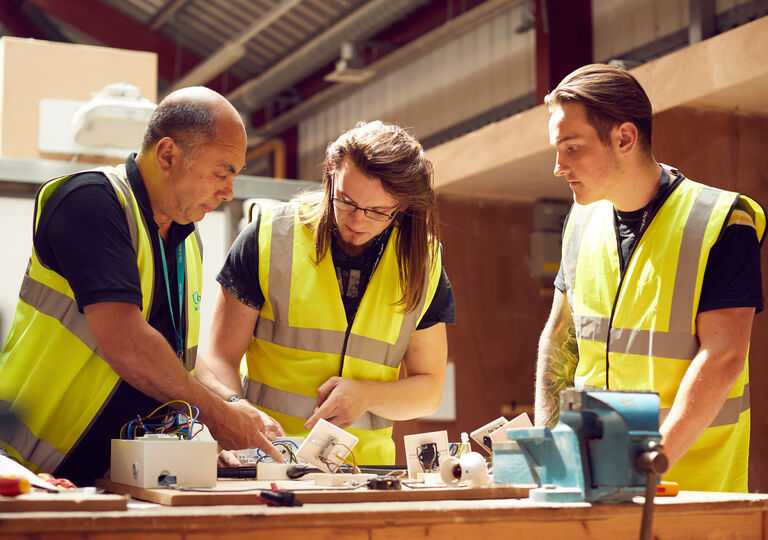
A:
[151,462]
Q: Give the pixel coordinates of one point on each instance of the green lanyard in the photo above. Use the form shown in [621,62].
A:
[180,279]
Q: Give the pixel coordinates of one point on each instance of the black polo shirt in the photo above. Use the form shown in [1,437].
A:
[83,235]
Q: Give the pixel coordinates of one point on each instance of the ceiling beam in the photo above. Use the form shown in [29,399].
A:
[234,49]
[17,22]
[114,29]
[557,51]
[164,13]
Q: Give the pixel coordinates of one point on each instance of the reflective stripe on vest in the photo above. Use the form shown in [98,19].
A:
[292,404]
[61,307]
[50,350]
[728,414]
[19,437]
[314,346]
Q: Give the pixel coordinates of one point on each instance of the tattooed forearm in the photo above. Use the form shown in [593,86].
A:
[557,361]
[556,370]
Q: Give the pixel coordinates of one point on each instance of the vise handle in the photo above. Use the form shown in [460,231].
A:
[653,460]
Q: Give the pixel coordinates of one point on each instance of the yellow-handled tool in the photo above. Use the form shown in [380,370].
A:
[667,489]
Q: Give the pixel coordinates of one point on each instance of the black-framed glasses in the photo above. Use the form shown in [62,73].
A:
[346,206]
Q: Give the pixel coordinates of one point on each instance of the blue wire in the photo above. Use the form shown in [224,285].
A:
[174,420]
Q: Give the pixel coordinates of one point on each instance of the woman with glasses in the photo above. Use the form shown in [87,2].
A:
[329,294]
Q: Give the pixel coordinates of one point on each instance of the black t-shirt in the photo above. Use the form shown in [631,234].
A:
[630,225]
[240,276]
[732,277]
[83,235]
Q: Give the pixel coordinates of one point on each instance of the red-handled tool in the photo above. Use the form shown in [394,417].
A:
[11,485]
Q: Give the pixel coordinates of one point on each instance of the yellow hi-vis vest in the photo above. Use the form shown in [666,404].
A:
[51,374]
[302,334]
[639,332]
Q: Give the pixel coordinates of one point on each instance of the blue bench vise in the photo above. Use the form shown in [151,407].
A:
[604,448]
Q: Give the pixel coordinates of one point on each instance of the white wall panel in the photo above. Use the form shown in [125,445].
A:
[475,72]
[619,26]
[16,221]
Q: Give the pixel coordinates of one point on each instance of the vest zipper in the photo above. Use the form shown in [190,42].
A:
[370,277]
[344,347]
[674,183]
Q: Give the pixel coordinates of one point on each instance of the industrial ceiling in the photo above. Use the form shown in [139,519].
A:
[266,56]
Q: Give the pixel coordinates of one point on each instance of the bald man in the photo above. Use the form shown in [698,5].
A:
[107,321]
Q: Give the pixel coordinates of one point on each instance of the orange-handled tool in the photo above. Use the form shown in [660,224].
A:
[11,485]
[667,489]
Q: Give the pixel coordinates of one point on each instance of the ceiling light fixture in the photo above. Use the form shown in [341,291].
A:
[350,67]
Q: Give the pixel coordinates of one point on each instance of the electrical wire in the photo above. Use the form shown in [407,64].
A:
[286,447]
[328,463]
[345,459]
[454,449]
[432,464]
[170,422]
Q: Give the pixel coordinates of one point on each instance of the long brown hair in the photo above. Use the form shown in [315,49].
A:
[390,154]
[610,95]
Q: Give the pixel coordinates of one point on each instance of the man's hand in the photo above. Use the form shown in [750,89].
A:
[343,401]
[272,428]
[228,458]
[340,401]
[247,427]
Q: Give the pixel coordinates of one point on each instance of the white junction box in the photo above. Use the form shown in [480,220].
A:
[164,461]
[482,435]
[326,445]
[424,452]
[496,431]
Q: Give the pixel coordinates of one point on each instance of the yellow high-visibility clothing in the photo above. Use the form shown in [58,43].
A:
[51,373]
[639,332]
[302,333]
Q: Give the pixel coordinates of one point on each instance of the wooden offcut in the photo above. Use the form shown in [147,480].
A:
[63,502]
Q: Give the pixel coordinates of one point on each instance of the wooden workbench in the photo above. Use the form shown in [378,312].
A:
[689,515]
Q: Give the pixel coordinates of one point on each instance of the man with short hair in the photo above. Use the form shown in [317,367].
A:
[329,294]
[107,322]
[658,284]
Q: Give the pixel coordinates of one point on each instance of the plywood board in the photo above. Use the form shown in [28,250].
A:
[38,502]
[234,492]
[29,69]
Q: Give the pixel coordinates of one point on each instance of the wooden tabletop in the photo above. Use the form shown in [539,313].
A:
[689,515]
